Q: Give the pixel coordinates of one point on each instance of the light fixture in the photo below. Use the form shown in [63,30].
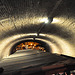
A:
[47,20]
[44,20]
[50,19]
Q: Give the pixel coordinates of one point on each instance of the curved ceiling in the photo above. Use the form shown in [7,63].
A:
[22,19]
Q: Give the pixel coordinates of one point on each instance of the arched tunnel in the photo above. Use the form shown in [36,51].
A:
[49,22]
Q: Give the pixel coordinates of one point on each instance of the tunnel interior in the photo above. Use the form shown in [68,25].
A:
[24,18]
[48,23]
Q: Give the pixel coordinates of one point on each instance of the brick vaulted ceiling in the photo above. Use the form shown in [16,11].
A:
[21,18]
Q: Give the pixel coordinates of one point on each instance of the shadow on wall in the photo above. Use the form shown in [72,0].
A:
[56,30]
[49,29]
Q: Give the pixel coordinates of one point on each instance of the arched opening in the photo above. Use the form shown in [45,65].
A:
[30,44]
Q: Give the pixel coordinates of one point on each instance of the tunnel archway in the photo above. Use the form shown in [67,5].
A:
[40,45]
[23,21]
[27,19]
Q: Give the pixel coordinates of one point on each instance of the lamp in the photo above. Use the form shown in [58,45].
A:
[45,21]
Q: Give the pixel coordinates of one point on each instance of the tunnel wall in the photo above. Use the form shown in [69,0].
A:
[59,35]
